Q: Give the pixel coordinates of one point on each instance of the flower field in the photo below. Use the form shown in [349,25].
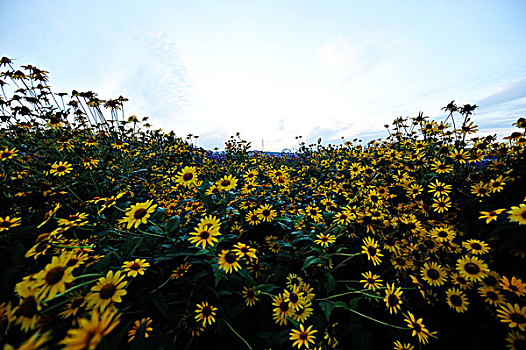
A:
[117,236]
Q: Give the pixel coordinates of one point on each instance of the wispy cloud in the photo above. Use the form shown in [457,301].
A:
[161,84]
[355,54]
[508,91]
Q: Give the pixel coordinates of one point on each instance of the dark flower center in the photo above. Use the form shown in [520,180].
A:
[392,300]
[72,262]
[265,212]
[519,344]
[6,224]
[455,300]
[204,235]
[492,295]
[107,291]
[230,258]
[304,335]
[518,318]
[139,213]
[429,244]
[61,168]
[5,154]
[284,307]
[54,275]
[188,176]
[225,183]
[461,280]
[442,234]
[476,246]
[28,308]
[490,281]
[207,311]
[433,274]
[40,247]
[76,302]
[293,298]
[417,327]
[135,266]
[472,268]
[371,251]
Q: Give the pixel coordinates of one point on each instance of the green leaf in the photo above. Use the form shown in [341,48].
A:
[326,308]
[159,301]
[310,261]
[341,304]
[353,303]
[267,287]
[248,279]
[172,224]
[331,283]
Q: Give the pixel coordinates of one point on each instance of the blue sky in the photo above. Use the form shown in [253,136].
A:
[273,70]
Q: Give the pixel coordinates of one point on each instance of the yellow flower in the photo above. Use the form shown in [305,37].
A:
[205,313]
[91,331]
[325,240]
[227,182]
[53,279]
[281,311]
[135,267]
[60,168]
[439,188]
[187,176]
[26,312]
[370,248]
[228,261]
[206,232]
[8,154]
[476,247]
[472,268]
[490,215]
[513,314]
[514,285]
[252,217]
[457,300]
[371,281]
[303,337]
[143,325]
[180,270]
[419,330]
[393,298]
[250,295]
[138,213]
[7,223]
[265,213]
[441,204]
[107,290]
[242,250]
[518,214]
[433,274]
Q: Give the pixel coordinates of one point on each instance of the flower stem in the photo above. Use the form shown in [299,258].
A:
[378,321]
[238,335]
